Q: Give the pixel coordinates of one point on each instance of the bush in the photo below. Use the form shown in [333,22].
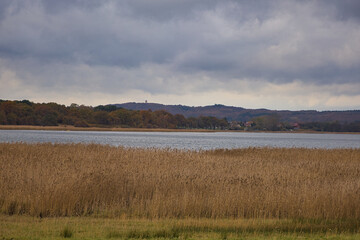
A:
[81,123]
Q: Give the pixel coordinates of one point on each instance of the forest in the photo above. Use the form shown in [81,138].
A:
[26,112]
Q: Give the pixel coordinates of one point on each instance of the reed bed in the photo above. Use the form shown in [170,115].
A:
[79,180]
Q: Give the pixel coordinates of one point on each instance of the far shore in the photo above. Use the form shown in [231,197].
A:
[114,129]
[122,129]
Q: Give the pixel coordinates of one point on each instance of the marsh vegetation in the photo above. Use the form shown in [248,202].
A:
[60,190]
[80,180]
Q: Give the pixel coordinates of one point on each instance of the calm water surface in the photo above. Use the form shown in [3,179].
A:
[186,140]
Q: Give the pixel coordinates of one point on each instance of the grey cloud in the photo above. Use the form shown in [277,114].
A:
[57,7]
[163,10]
[103,36]
[183,41]
[344,9]
[3,8]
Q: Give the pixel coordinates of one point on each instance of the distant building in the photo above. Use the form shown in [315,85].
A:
[249,124]
[235,125]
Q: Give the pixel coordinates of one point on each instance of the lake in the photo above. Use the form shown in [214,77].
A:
[186,140]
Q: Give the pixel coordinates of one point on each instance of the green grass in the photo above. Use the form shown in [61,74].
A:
[24,227]
[66,232]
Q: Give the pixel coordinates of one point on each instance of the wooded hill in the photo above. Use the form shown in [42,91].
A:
[243,114]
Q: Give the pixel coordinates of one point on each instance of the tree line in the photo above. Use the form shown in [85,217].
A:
[272,123]
[26,112]
[332,126]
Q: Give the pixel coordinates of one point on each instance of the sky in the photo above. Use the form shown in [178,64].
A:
[278,54]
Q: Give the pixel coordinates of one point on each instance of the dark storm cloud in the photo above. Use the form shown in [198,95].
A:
[160,45]
[88,32]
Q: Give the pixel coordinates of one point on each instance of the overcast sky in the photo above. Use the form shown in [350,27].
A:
[255,54]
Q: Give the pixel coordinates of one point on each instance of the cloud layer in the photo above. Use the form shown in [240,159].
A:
[274,54]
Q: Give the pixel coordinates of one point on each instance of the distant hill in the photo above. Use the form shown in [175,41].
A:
[242,114]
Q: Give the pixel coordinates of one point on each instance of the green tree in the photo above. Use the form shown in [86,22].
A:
[102,117]
[46,115]
[3,117]
[122,117]
[181,121]
[106,108]
[267,122]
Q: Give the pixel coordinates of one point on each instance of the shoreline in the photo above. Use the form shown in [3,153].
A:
[119,129]
[107,129]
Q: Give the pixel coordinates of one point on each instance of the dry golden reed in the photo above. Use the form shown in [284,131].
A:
[78,179]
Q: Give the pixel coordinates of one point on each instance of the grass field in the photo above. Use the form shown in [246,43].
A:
[25,227]
[94,192]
